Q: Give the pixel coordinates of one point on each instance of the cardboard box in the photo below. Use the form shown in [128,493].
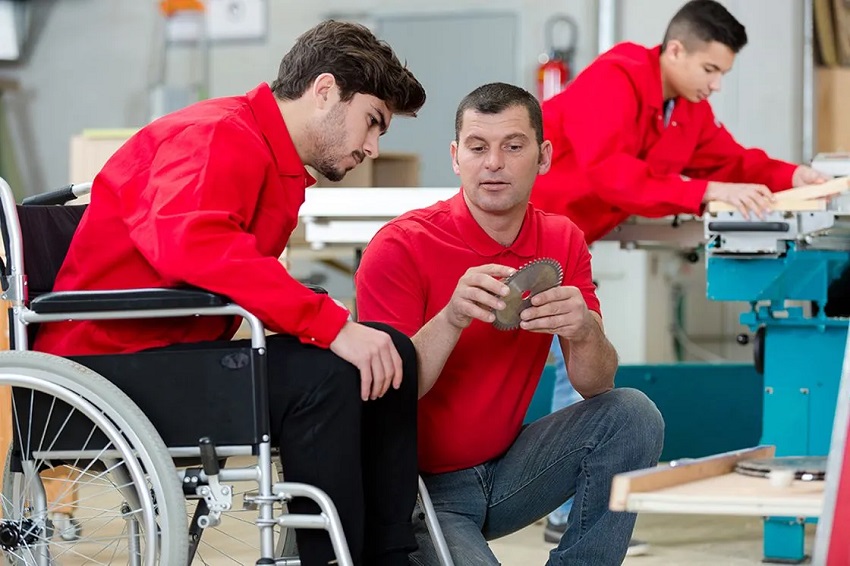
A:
[89,153]
[92,149]
[386,170]
[833,109]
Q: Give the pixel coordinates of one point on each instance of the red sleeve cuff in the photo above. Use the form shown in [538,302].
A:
[692,195]
[783,177]
[325,326]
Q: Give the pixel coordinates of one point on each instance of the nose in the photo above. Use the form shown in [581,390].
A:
[715,84]
[370,145]
[494,160]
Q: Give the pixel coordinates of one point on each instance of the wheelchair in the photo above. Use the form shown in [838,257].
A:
[132,479]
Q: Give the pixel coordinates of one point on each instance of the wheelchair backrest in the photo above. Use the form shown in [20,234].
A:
[46,233]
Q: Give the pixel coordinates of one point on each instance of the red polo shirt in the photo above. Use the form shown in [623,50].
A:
[207,197]
[614,157]
[408,273]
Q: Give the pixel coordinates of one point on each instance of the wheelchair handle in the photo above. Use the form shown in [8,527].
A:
[209,459]
[59,196]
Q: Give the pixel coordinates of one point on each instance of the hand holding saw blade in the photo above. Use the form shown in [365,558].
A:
[529,280]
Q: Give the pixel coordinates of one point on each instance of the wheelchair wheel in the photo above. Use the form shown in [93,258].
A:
[83,452]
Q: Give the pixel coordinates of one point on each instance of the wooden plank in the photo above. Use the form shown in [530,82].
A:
[733,494]
[653,479]
[781,206]
[808,192]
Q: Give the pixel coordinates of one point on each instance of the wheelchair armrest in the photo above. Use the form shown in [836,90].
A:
[68,302]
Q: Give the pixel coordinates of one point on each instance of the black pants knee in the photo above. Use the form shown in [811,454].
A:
[362,454]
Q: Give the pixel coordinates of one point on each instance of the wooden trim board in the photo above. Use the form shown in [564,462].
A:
[822,190]
[653,479]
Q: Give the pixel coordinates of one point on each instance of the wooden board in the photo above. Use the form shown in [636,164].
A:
[732,494]
[641,481]
[808,192]
[787,205]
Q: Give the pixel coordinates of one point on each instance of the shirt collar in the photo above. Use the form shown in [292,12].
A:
[656,93]
[265,109]
[481,243]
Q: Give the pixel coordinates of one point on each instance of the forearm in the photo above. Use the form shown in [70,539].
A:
[592,362]
[434,343]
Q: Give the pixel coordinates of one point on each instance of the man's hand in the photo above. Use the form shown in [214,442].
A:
[477,292]
[374,354]
[561,311]
[745,197]
[804,175]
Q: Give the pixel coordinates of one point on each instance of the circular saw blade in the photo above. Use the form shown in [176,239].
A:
[532,278]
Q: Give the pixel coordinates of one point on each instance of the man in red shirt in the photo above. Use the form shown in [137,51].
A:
[436,275]
[208,197]
[634,134]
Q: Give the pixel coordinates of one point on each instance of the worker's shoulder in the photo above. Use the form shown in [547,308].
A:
[230,117]
[626,59]
[419,223]
[553,224]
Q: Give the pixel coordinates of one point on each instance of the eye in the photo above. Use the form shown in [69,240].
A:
[476,148]
[514,147]
[373,121]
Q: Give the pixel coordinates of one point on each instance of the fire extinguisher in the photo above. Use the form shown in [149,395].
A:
[554,71]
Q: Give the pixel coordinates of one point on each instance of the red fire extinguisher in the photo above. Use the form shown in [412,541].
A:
[554,72]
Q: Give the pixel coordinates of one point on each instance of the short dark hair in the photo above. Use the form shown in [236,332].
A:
[494,98]
[706,21]
[359,62]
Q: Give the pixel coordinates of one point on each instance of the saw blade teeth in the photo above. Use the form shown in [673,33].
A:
[532,278]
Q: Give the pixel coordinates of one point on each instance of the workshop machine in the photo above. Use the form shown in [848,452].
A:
[790,266]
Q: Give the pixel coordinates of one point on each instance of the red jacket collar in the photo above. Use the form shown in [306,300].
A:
[266,111]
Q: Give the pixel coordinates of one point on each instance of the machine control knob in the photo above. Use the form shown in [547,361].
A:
[743,339]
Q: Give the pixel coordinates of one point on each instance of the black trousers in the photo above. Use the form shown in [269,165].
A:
[362,454]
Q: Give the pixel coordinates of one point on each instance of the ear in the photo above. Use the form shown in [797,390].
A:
[455,165]
[675,49]
[324,91]
[545,159]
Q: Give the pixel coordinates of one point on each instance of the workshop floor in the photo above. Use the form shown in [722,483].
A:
[690,540]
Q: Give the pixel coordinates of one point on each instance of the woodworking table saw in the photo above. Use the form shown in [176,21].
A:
[790,267]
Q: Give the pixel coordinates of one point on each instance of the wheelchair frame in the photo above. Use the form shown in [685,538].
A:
[212,489]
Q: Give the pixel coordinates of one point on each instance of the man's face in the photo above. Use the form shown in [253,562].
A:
[347,133]
[497,158]
[697,73]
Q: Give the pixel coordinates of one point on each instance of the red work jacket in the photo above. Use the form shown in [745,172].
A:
[614,157]
[206,197]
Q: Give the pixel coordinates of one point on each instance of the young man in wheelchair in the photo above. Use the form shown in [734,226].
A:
[207,197]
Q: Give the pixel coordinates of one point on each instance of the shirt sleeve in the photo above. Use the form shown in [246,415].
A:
[389,288]
[718,157]
[578,272]
[608,102]
[191,220]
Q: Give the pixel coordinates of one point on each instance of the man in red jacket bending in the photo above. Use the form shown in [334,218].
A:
[634,134]
[208,197]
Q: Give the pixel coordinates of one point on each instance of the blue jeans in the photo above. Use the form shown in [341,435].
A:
[575,451]
[563,395]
